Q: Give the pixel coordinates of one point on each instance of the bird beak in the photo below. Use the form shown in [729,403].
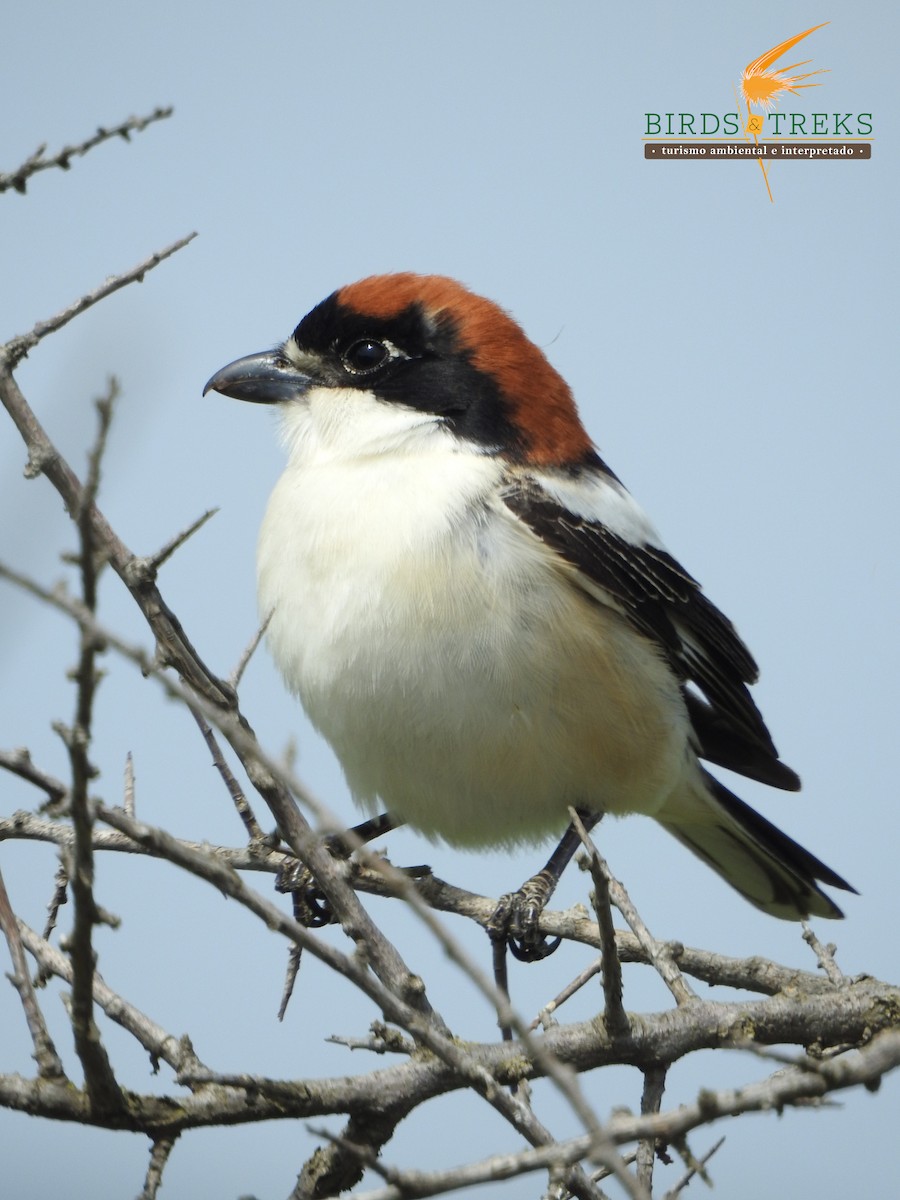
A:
[264,378]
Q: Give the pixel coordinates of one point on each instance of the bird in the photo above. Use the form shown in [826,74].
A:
[478,616]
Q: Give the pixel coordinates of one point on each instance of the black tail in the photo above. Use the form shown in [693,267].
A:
[767,867]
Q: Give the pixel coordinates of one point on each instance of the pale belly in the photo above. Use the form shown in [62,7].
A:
[463,681]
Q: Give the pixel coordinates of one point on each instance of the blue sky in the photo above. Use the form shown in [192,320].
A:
[731,360]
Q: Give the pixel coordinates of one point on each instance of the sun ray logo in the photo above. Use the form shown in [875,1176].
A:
[763,84]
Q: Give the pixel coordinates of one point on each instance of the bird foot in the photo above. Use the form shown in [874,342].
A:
[311,907]
[516,919]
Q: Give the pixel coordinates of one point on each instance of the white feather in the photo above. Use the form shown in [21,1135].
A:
[462,678]
[597,497]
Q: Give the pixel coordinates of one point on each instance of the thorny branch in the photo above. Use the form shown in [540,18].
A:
[664,1036]
[755,974]
[651,1102]
[41,451]
[616,1017]
[49,1063]
[99,1077]
[214,696]
[235,791]
[160,1045]
[775,1093]
[18,179]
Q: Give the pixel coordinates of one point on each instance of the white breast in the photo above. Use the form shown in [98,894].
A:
[463,681]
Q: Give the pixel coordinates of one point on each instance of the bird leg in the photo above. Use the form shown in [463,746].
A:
[311,907]
[516,918]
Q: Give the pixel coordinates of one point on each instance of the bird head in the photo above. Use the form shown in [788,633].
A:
[429,345]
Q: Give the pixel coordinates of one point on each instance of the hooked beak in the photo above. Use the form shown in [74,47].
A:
[263,378]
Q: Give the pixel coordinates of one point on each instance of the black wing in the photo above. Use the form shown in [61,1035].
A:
[666,604]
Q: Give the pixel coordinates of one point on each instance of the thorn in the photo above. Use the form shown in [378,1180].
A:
[155,561]
[237,674]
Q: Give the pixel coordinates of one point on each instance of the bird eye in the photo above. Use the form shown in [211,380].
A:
[365,355]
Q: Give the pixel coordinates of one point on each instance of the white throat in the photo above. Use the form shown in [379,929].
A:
[343,424]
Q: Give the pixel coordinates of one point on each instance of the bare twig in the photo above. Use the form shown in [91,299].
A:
[682,1148]
[238,673]
[18,347]
[291,975]
[158,1043]
[77,740]
[545,1018]
[235,791]
[604,1172]
[105,406]
[151,564]
[659,954]
[98,1073]
[60,888]
[785,1087]
[651,1101]
[381,1040]
[28,827]
[48,1061]
[407,1185]
[128,789]
[18,179]
[697,1168]
[616,1017]
[18,762]
[824,956]
[159,1155]
[805,1062]
[59,598]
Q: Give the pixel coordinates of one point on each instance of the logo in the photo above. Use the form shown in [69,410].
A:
[759,130]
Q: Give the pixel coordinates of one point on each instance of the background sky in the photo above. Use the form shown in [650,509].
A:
[731,359]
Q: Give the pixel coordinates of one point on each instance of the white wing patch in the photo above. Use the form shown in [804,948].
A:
[599,498]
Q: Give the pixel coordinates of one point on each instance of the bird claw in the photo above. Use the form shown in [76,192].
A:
[311,906]
[516,921]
